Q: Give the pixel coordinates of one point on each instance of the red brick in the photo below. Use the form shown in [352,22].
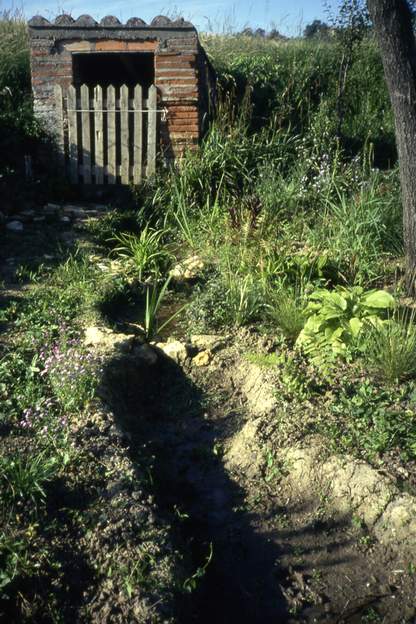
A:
[169,57]
[176,72]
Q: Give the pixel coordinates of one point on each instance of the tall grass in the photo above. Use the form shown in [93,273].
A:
[360,230]
[391,349]
[14,54]
[18,128]
[292,79]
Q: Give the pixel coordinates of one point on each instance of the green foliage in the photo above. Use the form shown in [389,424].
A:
[114,222]
[370,420]
[73,375]
[359,230]
[268,360]
[18,128]
[226,299]
[335,320]
[15,559]
[292,79]
[390,349]
[287,312]
[191,583]
[155,296]
[24,478]
[146,253]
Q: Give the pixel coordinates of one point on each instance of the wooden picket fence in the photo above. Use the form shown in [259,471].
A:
[105,136]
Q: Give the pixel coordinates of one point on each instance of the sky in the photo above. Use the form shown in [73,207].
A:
[288,16]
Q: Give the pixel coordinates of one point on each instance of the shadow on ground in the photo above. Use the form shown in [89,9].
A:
[244,581]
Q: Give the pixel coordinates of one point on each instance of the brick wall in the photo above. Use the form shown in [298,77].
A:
[178,59]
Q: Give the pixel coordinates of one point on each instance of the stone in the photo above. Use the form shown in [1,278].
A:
[211,342]
[203,358]
[104,339]
[39,219]
[135,22]
[182,23]
[28,212]
[14,226]
[85,21]
[65,220]
[74,211]
[398,522]
[64,20]
[175,350]
[188,269]
[110,20]
[161,21]
[38,20]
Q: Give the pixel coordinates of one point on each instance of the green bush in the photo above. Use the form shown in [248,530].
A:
[336,320]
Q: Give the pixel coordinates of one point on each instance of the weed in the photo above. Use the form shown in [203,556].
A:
[371,421]
[275,469]
[390,349]
[191,583]
[288,313]
[335,321]
[15,559]
[24,479]
[370,616]
[155,295]
[147,252]
[269,360]
[72,373]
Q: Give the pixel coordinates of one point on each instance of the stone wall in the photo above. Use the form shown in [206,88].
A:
[178,62]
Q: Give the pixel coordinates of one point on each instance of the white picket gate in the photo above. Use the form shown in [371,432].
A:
[107,135]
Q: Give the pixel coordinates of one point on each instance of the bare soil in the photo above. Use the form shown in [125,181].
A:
[276,558]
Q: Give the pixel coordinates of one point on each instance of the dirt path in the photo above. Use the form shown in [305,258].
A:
[274,559]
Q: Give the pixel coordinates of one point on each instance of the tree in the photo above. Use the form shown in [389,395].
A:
[275,34]
[316,29]
[393,26]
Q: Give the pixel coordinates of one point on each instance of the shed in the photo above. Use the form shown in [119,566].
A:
[118,98]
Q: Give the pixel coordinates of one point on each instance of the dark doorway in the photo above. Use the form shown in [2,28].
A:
[129,68]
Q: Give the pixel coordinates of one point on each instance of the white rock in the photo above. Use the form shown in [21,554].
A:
[175,350]
[203,358]
[188,269]
[212,342]
[14,226]
[106,340]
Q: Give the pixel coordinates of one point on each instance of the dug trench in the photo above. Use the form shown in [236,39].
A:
[257,551]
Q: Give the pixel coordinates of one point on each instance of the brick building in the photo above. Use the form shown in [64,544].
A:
[164,59]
